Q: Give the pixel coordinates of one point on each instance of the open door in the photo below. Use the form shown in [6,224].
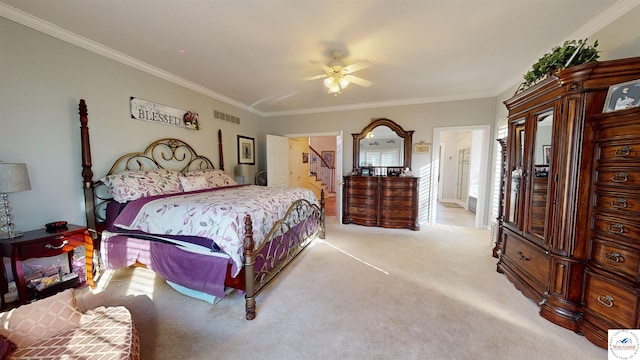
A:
[277,161]
[339,179]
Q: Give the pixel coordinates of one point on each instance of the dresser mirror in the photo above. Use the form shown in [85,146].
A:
[383,147]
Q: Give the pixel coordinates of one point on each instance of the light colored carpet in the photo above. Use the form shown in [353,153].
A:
[362,293]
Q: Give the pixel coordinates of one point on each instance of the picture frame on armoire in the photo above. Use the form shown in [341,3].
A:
[622,96]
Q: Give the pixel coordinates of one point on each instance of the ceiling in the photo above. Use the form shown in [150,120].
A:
[256,54]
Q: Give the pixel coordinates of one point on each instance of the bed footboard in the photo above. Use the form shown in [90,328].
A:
[302,223]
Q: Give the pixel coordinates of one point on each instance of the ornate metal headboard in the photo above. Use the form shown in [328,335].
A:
[167,153]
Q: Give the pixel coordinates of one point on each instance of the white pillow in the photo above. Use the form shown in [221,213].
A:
[215,178]
[194,182]
[134,184]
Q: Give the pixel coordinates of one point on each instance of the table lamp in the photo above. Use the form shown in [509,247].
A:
[13,178]
[242,173]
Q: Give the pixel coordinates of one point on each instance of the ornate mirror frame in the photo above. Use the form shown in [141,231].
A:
[406,135]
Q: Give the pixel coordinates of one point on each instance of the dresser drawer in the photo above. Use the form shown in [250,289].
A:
[361,211]
[612,300]
[49,246]
[617,204]
[616,228]
[362,191]
[406,184]
[528,258]
[618,177]
[618,259]
[622,152]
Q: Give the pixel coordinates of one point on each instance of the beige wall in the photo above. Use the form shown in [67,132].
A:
[42,80]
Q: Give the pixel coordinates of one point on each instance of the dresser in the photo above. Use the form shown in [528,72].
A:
[383,201]
[611,296]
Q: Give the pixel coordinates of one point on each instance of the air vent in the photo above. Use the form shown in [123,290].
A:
[226,117]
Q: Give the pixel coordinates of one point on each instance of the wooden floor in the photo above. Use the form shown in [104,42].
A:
[330,206]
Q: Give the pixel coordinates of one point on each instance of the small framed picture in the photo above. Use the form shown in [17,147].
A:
[328,157]
[622,96]
[365,171]
[246,150]
[546,149]
[305,157]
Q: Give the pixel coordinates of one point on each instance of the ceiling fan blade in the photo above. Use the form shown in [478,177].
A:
[358,81]
[357,66]
[315,77]
[321,65]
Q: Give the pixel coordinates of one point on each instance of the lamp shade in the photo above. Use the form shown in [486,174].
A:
[13,178]
[242,170]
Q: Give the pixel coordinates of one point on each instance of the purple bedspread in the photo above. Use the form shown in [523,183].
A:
[198,271]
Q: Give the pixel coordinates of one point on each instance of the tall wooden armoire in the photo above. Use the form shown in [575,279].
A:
[555,237]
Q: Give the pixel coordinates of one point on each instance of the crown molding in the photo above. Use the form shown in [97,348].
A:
[607,17]
[57,32]
[372,105]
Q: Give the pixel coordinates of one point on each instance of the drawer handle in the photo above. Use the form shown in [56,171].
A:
[522,257]
[49,246]
[616,228]
[613,257]
[619,203]
[623,151]
[620,177]
[606,300]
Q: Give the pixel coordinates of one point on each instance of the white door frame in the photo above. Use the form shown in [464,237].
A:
[485,161]
[338,164]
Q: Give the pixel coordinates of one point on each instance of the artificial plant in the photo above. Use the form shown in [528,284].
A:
[561,57]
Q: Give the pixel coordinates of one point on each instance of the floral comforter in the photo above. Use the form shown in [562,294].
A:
[217,214]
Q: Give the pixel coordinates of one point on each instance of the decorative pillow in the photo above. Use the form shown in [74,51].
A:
[42,319]
[130,185]
[193,183]
[215,178]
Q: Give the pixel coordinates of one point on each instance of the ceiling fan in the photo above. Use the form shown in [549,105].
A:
[337,76]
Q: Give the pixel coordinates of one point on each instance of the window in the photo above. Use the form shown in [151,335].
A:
[383,157]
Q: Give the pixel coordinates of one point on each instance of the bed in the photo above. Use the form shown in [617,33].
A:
[169,209]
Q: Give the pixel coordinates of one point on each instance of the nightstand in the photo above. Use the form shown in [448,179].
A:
[40,243]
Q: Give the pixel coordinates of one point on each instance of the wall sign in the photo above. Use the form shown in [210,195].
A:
[162,114]
[422,148]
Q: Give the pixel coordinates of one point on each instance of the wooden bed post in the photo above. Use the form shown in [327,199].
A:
[249,261]
[87,184]
[220,150]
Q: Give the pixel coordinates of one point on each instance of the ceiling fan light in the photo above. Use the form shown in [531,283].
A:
[343,82]
[329,82]
[334,89]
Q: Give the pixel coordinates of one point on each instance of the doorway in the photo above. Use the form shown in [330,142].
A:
[333,201]
[460,175]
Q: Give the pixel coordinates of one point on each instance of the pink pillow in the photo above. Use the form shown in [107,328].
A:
[42,319]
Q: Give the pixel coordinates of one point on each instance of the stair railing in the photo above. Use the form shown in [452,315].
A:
[322,171]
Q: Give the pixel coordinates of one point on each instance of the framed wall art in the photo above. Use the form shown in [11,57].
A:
[246,150]
[328,157]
